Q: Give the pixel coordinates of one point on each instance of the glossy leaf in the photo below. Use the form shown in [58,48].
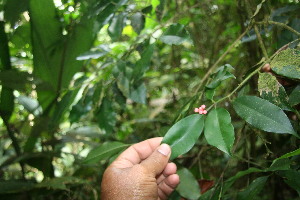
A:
[262,114]
[294,97]
[104,152]
[188,186]
[116,26]
[253,189]
[290,154]
[175,34]
[218,130]
[183,135]
[271,90]
[287,63]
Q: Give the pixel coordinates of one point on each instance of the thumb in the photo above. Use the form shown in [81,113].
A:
[158,160]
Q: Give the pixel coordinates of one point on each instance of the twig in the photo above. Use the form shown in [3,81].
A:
[279,24]
[216,64]
[261,63]
[258,35]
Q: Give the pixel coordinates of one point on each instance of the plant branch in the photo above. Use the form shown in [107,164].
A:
[279,24]
[258,35]
[216,64]
[261,63]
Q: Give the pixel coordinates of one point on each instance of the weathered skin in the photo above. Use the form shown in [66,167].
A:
[141,172]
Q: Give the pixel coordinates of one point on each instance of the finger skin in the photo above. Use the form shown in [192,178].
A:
[167,186]
[170,169]
[136,153]
[136,172]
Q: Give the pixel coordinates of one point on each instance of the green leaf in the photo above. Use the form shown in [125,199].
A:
[218,130]
[292,178]
[188,186]
[104,152]
[14,186]
[287,63]
[116,26]
[210,93]
[221,74]
[106,117]
[253,189]
[13,10]
[175,34]
[138,93]
[60,183]
[282,164]
[271,90]
[183,135]
[142,65]
[63,106]
[290,154]
[14,79]
[138,22]
[243,173]
[294,97]
[263,115]
[92,55]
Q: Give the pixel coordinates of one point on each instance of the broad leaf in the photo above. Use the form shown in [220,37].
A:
[221,74]
[137,22]
[106,117]
[104,152]
[14,79]
[292,178]
[175,34]
[287,63]
[294,97]
[271,90]
[253,189]
[188,186]
[183,135]
[218,130]
[13,10]
[138,93]
[116,26]
[262,114]
[142,65]
[282,164]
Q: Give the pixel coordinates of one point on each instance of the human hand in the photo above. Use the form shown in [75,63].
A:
[141,172]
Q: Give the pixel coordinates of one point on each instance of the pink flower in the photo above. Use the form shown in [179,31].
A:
[201,110]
